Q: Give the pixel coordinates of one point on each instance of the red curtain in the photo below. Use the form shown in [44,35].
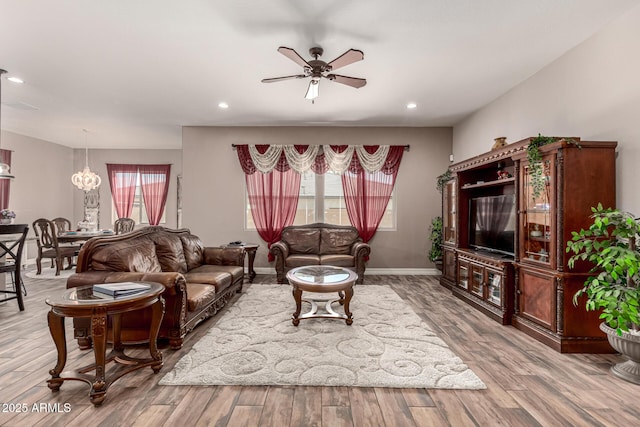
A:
[154,181]
[273,198]
[5,184]
[367,194]
[122,180]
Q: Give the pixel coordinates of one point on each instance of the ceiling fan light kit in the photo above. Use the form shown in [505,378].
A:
[317,69]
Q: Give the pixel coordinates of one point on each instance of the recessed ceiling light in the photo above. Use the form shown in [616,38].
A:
[223,105]
[412,105]
[15,79]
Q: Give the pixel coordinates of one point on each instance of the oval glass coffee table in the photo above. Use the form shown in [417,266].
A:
[322,279]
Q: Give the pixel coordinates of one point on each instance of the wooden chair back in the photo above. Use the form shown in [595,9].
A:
[11,256]
[124,225]
[62,224]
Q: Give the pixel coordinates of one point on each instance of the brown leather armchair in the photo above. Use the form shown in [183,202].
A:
[320,244]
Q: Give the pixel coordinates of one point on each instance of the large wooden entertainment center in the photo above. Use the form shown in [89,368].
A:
[526,283]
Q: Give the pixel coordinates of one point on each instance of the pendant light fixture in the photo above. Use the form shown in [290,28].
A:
[86,180]
[5,171]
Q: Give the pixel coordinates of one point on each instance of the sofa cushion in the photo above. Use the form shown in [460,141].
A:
[338,260]
[137,255]
[337,240]
[210,274]
[293,261]
[193,249]
[199,295]
[170,253]
[302,240]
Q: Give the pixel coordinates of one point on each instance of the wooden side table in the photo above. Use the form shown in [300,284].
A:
[83,302]
[250,249]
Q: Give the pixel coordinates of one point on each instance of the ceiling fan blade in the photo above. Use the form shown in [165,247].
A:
[346,80]
[293,55]
[349,57]
[278,79]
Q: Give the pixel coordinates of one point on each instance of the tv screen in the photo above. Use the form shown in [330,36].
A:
[492,222]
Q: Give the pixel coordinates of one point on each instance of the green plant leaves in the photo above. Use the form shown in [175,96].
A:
[610,245]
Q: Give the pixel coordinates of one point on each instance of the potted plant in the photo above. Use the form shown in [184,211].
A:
[534,157]
[7,216]
[435,254]
[442,180]
[610,245]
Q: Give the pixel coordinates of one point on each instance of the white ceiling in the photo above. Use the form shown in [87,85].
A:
[133,72]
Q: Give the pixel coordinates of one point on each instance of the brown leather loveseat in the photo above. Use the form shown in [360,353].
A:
[320,244]
[199,281]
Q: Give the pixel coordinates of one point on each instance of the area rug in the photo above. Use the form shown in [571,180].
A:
[388,345]
[50,273]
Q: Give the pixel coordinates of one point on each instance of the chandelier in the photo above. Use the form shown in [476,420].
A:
[86,180]
[5,172]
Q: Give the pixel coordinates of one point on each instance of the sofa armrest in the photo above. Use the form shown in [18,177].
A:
[224,256]
[360,250]
[280,250]
[172,281]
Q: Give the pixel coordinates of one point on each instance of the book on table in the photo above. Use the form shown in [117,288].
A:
[121,288]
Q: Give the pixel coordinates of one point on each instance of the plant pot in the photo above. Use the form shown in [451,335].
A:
[629,346]
[438,264]
[6,221]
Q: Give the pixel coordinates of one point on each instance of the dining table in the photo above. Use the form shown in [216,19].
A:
[81,236]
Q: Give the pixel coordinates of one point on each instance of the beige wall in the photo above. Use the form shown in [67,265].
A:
[592,92]
[98,160]
[214,188]
[42,185]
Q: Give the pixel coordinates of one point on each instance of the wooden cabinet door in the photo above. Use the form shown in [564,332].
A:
[536,297]
[537,213]
[494,280]
[449,264]
[477,280]
[464,272]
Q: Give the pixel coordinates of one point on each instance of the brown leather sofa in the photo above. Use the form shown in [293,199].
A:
[320,244]
[199,281]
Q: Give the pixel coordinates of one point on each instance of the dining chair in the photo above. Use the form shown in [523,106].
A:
[124,225]
[48,246]
[62,226]
[11,259]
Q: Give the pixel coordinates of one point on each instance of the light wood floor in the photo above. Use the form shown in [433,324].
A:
[528,383]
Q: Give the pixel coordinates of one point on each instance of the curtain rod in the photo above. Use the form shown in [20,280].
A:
[406,147]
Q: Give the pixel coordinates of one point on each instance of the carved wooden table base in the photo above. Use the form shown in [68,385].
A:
[82,302]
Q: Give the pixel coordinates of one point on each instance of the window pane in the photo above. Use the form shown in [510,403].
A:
[306,213]
[335,211]
[387,218]
[333,204]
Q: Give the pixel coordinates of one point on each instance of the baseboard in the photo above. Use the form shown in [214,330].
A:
[376,271]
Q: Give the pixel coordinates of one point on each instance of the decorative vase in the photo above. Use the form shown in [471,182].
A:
[499,142]
[629,346]
[5,221]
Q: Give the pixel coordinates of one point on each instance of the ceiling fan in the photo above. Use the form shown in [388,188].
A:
[317,69]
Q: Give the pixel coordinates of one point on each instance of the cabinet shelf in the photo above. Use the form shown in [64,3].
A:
[539,239]
[497,182]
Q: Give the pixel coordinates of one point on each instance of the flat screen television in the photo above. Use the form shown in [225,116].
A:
[492,222]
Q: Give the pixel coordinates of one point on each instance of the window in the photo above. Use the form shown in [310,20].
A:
[138,211]
[322,200]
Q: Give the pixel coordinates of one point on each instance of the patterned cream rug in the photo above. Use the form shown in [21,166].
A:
[388,345]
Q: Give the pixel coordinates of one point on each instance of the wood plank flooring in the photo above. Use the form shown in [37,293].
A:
[528,383]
